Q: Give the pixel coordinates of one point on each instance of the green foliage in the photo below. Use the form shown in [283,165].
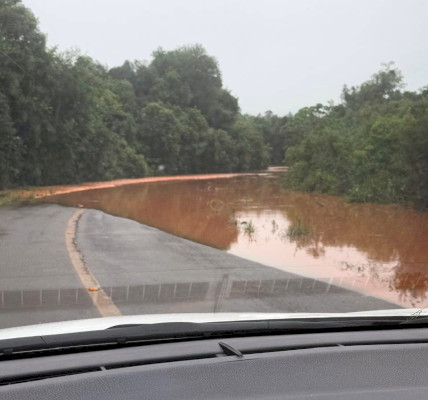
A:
[372,148]
[251,151]
[65,118]
[220,153]
[297,229]
[10,146]
[249,228]
[274,135]
[190,70]
[160,130]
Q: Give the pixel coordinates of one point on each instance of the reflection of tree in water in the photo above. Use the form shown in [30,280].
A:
[372,270]
[312,245]
[384,233]
[412,285]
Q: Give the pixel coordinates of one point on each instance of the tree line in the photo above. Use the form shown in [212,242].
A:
[65,118]
[373,147]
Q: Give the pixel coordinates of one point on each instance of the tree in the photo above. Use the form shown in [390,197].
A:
[415,138]
[171,89]
[220,152]
[275,135]
[10,146]
[251,151]
[371,148]
[160,137]
[196,69]
[24,77]
[384,85]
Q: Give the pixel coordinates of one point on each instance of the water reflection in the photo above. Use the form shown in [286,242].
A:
[253,217]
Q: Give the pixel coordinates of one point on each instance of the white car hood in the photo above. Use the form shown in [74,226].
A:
[93,324]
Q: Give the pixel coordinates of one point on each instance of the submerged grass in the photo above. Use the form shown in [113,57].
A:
[16,196]
[298,229]
[249,228]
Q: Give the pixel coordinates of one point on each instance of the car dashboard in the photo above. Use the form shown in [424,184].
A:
[374,364]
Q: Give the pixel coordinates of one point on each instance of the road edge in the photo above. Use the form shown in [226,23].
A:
[100,299]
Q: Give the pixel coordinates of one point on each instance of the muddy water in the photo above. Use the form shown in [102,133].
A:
[376,249]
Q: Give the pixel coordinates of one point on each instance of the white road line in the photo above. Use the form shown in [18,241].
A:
[104,303]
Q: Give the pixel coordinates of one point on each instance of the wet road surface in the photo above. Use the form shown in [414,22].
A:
[37,281]
[142,270]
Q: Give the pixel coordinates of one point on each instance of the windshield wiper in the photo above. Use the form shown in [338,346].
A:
[173,331]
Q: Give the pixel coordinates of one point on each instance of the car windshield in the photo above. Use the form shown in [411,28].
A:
[178,157]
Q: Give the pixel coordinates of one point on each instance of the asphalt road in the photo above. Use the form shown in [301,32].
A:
[140,270]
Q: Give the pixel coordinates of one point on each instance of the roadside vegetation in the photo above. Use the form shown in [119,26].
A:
[371,148]
[65,118]
[13,196]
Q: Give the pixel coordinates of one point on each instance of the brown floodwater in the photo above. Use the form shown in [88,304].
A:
[380,250]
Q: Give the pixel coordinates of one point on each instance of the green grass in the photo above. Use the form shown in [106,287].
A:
[249,227]
[15,196]
[298,229]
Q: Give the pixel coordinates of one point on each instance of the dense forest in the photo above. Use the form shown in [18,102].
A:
[65,118]
[371,148]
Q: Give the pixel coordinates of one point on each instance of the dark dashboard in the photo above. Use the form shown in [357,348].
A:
[384,364]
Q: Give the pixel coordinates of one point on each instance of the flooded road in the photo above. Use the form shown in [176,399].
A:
[380,250]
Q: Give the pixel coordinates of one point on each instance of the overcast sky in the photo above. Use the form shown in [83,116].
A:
[277,55]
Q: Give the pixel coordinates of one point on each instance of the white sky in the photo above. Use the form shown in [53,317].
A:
[277,55]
